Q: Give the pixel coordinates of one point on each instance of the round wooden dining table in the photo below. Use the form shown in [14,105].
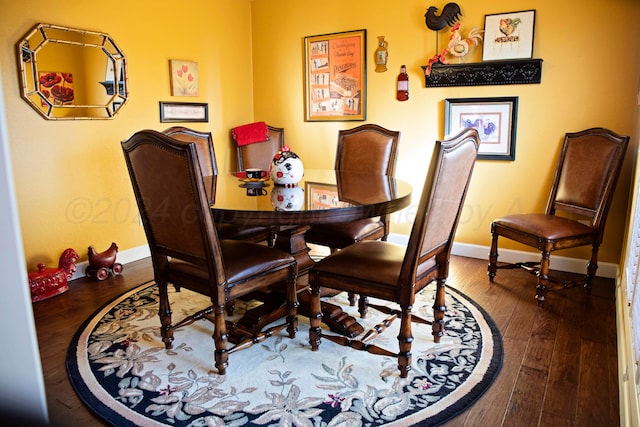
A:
[322,196]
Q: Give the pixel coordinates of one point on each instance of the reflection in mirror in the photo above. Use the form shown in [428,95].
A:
[69,74]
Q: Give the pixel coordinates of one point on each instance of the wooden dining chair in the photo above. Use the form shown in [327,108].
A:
[370,149]
[209,167]
[394,272]
[577,206]
[185,249]
[259,154]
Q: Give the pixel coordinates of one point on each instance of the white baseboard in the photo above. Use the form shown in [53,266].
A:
[560,263]
[571,265]
[124,257]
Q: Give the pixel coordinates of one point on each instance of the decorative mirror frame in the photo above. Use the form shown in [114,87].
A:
[61,106]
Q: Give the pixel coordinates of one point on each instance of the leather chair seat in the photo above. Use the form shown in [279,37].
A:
[242,260]
[341,235]
[253,233]
[374,261]
[551,227]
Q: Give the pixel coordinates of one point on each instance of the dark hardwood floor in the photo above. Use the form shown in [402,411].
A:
[559,369]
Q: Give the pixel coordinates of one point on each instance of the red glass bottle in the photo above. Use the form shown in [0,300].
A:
[402,93]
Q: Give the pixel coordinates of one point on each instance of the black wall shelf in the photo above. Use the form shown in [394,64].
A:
[508,72]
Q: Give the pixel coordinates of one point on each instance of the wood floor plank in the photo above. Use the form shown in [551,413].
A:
[594,390]
[525,406]
[521,324]
[564,373]
[542,340]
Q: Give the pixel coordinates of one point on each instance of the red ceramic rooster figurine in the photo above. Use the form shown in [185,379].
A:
[101,264]
[49,282]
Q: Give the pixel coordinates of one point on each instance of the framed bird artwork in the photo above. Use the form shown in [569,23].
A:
[508,35]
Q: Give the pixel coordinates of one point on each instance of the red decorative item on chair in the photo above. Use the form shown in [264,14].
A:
[103,263]
[49,282]
[250,133]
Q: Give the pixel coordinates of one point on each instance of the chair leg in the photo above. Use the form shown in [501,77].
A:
[230,306]
[592,267]
[352,299]
[315,316]
[292,304]
[543,278]
[164,312]
[363,306]
[405,339]
[220,339]
[493,257]
[439,308]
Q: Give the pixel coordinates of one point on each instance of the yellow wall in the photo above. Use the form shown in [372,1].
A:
[71,182]
[589,79]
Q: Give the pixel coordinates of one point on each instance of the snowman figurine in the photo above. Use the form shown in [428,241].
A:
[286,168]
[287,198]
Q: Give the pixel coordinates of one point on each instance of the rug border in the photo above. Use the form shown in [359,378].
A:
[83,392]
[113,417]
[494,368]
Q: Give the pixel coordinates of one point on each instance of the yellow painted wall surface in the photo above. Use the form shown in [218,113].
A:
[589,79]
[71,182]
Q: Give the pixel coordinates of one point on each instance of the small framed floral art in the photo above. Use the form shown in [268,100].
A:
[184,78]
[56,87]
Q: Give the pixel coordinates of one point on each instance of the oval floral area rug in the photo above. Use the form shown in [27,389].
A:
[119,367]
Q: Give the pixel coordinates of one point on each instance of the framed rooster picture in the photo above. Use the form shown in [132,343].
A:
[494,119]
[508,35]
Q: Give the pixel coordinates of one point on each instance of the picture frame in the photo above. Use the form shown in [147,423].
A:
[57,88]
[184,78]
[323,196]
[335,76]
[175,112]
[508,35]
[495,119]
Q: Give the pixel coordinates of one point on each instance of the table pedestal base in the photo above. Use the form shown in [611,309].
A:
[292,240]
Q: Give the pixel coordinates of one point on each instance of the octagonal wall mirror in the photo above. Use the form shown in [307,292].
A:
[72,74]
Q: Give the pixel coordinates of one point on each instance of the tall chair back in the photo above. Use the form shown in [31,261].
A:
[586,175]
[169,187]
[204,146]
[367,148]
[206,153]
[440,207]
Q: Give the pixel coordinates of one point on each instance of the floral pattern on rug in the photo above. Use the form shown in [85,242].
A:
[122,362]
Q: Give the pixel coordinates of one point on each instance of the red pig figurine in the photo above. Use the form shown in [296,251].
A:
[49,282]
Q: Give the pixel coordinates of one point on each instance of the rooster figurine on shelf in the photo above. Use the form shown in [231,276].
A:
[460,47]
[103,263]
[451,13]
